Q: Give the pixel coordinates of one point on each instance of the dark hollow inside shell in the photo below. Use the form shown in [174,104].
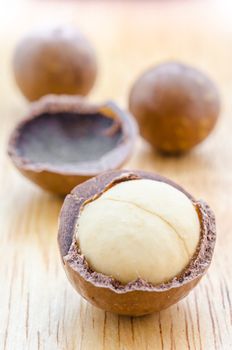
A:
[65,140]
[68,138]
[137,297]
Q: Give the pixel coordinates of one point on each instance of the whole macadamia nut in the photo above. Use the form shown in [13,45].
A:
[176,106]
[139,229]
[57,60]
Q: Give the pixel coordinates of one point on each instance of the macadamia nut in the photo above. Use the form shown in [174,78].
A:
[176,106]
[139,229]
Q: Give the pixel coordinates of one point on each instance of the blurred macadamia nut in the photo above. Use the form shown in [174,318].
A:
[176,106]
[57,60]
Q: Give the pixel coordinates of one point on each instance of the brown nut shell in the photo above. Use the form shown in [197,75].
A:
[137,297]
[56,60]
[64,141]
[176,106]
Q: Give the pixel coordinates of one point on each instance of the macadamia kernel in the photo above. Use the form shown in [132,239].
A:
[139,229]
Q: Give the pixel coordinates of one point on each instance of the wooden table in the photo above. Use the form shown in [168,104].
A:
[38,307]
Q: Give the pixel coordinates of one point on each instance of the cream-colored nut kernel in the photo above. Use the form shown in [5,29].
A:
[139,229]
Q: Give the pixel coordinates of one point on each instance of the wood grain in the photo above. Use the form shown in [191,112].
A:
[38,307]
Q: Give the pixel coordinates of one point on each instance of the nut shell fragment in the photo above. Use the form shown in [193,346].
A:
[45,147]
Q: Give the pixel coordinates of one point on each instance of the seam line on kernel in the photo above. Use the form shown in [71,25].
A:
[154,214]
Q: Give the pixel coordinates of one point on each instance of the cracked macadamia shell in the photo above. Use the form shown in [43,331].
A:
[139,296]
[176,106]
[64,140]
[54,60]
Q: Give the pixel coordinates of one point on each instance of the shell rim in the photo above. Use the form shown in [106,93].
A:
[53,104]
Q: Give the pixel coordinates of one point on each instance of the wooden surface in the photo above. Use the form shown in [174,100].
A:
[38,307]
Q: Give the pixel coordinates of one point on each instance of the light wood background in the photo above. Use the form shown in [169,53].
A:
[38,307]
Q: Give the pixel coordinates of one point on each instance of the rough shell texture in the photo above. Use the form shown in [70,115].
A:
[53,146]
[56,60]
[138,297]
[176,106]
